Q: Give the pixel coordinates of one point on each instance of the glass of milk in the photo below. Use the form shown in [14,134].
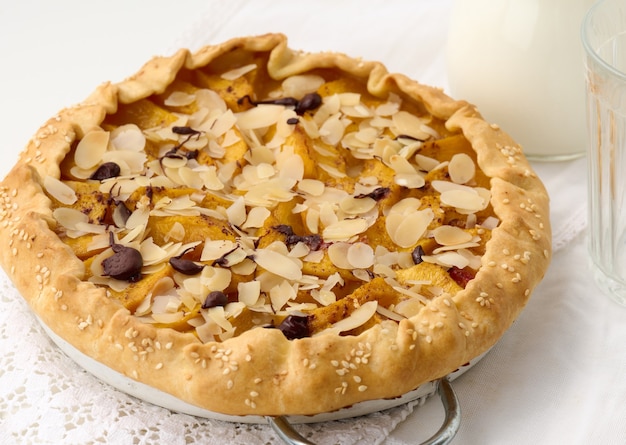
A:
[519,62]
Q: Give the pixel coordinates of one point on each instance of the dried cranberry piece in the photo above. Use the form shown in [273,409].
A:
[125,264]
[106,171]
[295,326]
[215,298]
[461,276]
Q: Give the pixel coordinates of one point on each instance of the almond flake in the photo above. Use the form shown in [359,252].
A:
[331,131]
[238,72]
[425,163]
[406,230]
[408,124]
[179,99]
[389,314]
[456,247]
[338,255]
[278,264]
[312,187]
[59,190]
[215,278]
[210,100]
[218,315]
[210,178]
[448,259]
[463,199]
[69,218]
[357,318]
[461,168]
[248,292]
[356,206]
[360,255]
[409,307]
[345,229]
[214,249]
[176,232]
[221,125]
[91,148]
[256,217]
[133,161]
[324,296]
[281,294]
[237,212]
[450,235]
[291,166]
[261,116]
[128,137]
[299,85]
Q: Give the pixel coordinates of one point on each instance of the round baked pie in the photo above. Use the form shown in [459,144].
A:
[257,230]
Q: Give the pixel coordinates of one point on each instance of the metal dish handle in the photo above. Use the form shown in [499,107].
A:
[443,436]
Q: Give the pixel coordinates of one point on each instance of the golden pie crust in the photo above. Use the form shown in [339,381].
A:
[259,370]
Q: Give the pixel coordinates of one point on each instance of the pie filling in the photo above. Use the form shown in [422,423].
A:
[233,201]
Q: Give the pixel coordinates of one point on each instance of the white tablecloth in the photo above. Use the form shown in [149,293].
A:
[557,376]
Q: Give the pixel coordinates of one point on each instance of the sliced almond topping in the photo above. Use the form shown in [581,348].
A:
[215,278]
[463,199]
[237,212]
[128,137]
[345,229]
[290,166]
[59,190]
[448,259]
[338,255]
[408,124]
[238,72]
[91,148]
[360,255]
[299,85]
[331,131]
[278,264]
[406,230]
[249,292]
[425,163]
[357,206]
[389,314]
[256,217]
[179,99]
[69,218]
[281,294]
[450,235]
[214,249]
[210,100]
[357,318]
[409,307]
[130,162]
[261,116]
[461,168]
[312,187]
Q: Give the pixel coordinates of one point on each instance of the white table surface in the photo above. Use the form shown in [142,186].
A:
[557,376]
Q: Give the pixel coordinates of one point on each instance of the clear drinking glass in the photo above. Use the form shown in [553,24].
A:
[604,42]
